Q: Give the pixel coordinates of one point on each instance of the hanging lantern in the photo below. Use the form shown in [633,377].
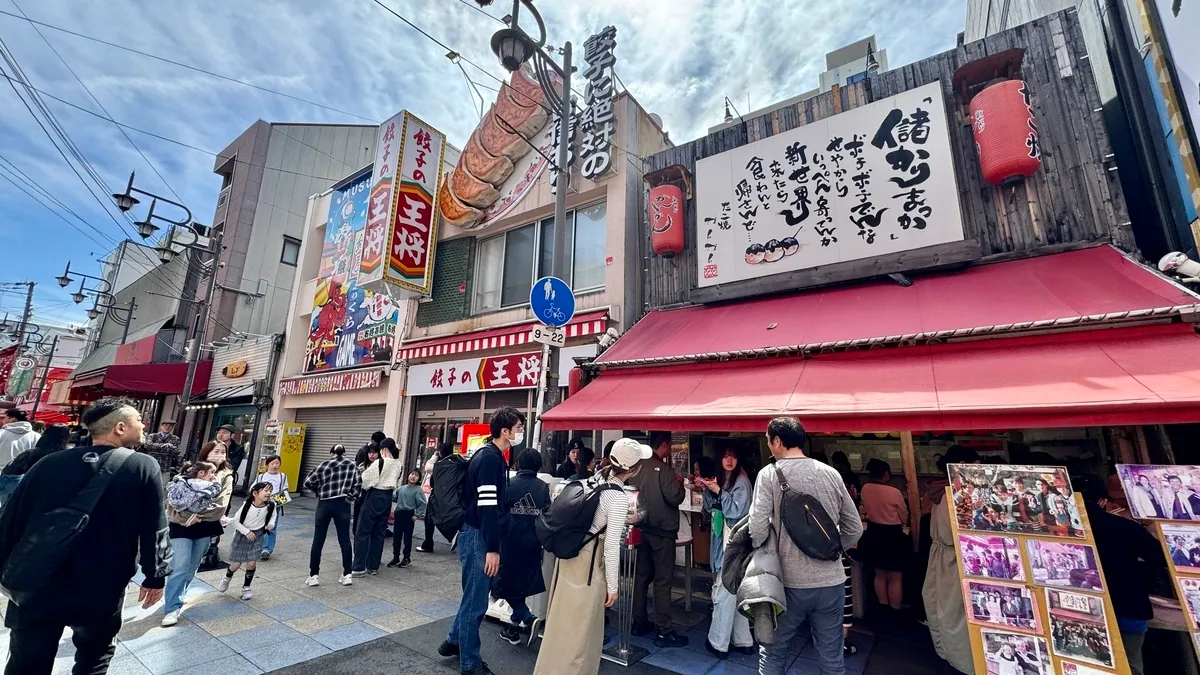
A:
[665,214]
[574,381]
[1006,134]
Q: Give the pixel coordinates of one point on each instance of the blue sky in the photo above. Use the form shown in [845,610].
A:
[679,58]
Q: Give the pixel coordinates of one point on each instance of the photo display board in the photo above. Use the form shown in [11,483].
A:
[1033,587]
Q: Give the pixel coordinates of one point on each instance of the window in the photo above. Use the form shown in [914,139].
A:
[506,265]
[291,252]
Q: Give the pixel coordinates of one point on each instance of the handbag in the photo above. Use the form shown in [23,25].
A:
[807,523]
[49,538]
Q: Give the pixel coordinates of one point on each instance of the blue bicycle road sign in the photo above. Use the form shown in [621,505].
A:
[552,301]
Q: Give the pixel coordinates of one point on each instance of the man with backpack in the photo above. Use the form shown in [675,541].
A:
[479,541]
[69,540]
[660,492]
[804,503]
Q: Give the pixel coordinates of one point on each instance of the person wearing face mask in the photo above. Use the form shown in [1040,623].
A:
[479,539]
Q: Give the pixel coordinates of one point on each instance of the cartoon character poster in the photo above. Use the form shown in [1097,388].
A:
[350,326]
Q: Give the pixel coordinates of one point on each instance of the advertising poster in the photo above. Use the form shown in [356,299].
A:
[291,448]
[413,234]
[1161,492]
[1020,499]
[350,326]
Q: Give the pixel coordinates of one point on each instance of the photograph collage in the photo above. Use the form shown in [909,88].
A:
[1031,584]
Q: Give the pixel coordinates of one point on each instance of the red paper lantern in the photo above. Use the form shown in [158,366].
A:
[574,381]
[665,212]
[1006,133]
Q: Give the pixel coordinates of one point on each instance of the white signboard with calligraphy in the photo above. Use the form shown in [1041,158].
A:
[870,181]
[509,371]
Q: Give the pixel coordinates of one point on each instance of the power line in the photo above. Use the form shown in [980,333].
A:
[48,208]
[187,66]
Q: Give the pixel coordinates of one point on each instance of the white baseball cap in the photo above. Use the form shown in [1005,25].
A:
[626,453]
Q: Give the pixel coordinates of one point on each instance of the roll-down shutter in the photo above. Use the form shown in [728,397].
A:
[350,426]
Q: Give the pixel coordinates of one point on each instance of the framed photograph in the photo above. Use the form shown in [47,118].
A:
[1183,546]
[1078,627]
[1196,643]
[1064,565]
[991,557]
[1013,654]
[1189,596]
[1069,668]
[1002,605]
[1022,499]
[1161,492]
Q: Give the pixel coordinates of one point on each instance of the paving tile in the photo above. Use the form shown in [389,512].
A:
[270,572]
[349,635]
[370,610]
[232,624]
[406,597]
[338,597]
[126,666]
[140,640]
[230,665]
[683,661]
[311,625]
[295,610]
[178,657]
[727,668]
[398,621]
[255,638]
[268,595]
[438,610]
[804,667]
[287,653]
[225,607]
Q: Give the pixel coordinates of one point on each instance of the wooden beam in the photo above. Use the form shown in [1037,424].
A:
[930,257]
[909,457]
[1143,448]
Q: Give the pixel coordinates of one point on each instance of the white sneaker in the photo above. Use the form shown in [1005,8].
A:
[223,585]
[346,580]
[247,593]
[314,580]
[171,618]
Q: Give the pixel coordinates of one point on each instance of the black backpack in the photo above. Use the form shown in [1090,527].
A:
[49,538]
[562,529]
[446,495]
[807,523]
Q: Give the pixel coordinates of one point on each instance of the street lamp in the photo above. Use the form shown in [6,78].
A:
[93,313]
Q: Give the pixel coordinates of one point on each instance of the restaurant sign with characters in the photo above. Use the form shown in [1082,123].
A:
[875,180]
[509,371]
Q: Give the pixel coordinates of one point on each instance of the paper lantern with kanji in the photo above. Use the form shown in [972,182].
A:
[665,213]
[1006,134]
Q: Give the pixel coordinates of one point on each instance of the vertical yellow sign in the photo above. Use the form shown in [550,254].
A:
[290,451]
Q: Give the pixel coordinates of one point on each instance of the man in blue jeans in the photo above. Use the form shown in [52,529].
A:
[814,588]
[479,540]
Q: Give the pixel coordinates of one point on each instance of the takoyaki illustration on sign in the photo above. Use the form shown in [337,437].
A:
[773,251]
[755,254]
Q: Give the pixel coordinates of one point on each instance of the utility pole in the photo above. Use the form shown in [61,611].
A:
[128,319]
[26,317]
[199,324]
[37,401]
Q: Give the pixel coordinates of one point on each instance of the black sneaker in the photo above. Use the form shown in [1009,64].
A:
[748,651]
[640,628]
[422,549]
[848,648]
[511,633]
[670,639]
[481,669]
[373,572]
[395,562]
[447,649]
[714,651]
[405,563]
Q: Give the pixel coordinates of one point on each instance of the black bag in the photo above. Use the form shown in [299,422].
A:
[807,523]
[49,538]
[446,503]
[562,529]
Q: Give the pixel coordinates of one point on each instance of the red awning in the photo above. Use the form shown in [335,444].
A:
[155,378]
[1075,288]
[590,323]
[1119,376]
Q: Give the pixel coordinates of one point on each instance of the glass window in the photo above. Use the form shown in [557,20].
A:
[518,265]
[547,252]
[489,274]
[590,252]
[291,251]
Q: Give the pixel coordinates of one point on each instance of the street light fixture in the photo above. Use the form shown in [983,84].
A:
[93,313]
[146,227]
[513,47]
[125,200]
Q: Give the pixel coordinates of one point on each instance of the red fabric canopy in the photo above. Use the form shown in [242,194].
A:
[155,378]
[1120,376]
[588,323]
[1092,281]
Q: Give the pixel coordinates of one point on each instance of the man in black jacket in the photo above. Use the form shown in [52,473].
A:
[236,451]
[660,492]
[1131,558]
[128,525]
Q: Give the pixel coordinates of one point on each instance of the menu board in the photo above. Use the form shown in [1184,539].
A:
[1035,595]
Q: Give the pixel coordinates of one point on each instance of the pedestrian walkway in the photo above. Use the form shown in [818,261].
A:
[286,622]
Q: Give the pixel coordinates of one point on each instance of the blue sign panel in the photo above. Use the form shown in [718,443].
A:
[552,301]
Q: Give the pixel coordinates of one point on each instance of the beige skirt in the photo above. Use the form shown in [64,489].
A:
[574,616]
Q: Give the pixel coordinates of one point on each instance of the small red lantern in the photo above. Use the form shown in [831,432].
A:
[574,381]
[1006,134]
[665,213]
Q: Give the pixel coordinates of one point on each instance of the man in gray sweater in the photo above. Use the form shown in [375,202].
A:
[814,588]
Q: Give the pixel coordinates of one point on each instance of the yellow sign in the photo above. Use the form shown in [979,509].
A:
[235,369]
[290,451]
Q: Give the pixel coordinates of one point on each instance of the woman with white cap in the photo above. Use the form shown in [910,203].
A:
[584,585]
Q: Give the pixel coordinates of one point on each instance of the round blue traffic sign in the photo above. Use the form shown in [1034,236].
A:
[552,301]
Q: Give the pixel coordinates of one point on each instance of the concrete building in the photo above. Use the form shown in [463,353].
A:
[843,66]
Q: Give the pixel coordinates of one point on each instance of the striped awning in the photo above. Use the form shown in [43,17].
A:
[591,323]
